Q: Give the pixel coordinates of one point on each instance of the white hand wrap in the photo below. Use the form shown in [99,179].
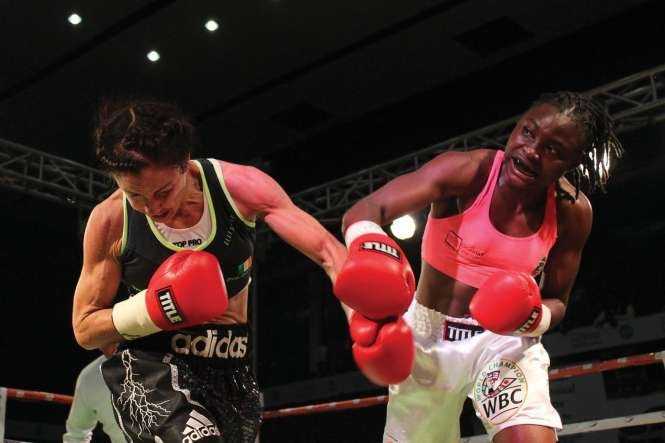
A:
[359,228]
[131,318]
[543,326]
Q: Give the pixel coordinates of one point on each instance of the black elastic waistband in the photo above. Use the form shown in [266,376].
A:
[455,331]
[219,344]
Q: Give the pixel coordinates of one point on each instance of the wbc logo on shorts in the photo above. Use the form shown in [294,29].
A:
[380,247]
[499,391]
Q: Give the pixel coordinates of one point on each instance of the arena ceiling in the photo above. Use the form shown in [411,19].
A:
[275,73]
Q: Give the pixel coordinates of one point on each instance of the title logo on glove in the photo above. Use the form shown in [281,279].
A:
[169,308]
[528,324]
[380,247]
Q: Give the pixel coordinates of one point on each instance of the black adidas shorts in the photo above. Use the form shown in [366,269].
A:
[193,385]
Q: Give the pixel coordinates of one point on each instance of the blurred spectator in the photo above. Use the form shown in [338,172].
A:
[92,405]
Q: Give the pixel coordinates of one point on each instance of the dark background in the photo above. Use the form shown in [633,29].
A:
[309,91]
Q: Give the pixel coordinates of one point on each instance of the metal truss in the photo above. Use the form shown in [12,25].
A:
[633,102]
[50,177]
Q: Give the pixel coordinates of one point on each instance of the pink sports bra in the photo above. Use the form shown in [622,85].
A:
[468,248]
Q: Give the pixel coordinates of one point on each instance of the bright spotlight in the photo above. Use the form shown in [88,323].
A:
[212,25]
[403,227]
[153,56]
[74,19]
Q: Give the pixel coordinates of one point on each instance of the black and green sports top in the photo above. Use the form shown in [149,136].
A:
[231,239]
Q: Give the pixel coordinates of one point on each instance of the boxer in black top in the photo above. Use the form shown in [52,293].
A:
[170,383]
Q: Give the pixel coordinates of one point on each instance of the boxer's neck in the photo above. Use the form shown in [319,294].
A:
[190,209]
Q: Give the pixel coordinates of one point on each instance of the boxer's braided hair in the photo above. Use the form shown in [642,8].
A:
[130,134]
[601,146]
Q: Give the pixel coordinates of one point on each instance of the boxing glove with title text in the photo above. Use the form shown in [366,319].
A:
[509,303]
[377,282]
[187,289]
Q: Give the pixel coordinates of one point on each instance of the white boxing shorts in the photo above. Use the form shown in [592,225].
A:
[506,378]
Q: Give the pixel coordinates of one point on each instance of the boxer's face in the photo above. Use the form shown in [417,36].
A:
[156,191]
[543,146]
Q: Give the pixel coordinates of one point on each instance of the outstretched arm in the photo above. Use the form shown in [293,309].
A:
[258,195]
[449,174]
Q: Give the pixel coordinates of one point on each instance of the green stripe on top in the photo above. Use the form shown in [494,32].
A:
[213,231]
[124,224]
[231,240]
[220,175]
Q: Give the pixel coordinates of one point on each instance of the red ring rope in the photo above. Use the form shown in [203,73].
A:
[20,394]
[555,374]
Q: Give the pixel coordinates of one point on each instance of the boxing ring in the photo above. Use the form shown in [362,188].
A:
[8,395]
[634,101]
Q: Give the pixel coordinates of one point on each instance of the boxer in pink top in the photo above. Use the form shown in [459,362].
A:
[499,221]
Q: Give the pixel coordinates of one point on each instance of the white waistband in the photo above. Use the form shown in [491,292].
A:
[427,322]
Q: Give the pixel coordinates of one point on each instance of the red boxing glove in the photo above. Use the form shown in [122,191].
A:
[187,289]
[384,352]
[508,303]
[376,279]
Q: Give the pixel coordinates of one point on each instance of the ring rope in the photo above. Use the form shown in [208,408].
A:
[554,374]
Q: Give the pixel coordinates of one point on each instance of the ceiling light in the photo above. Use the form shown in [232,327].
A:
[403,227]
[212,25]
[74,19]
[153,56]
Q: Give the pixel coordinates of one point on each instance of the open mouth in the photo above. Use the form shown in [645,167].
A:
[524,168]
[161,215]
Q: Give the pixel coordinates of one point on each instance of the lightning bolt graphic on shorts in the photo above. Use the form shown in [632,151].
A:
[134,397]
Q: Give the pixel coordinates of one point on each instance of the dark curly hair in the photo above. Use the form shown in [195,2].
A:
[601,146]
[131,134]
